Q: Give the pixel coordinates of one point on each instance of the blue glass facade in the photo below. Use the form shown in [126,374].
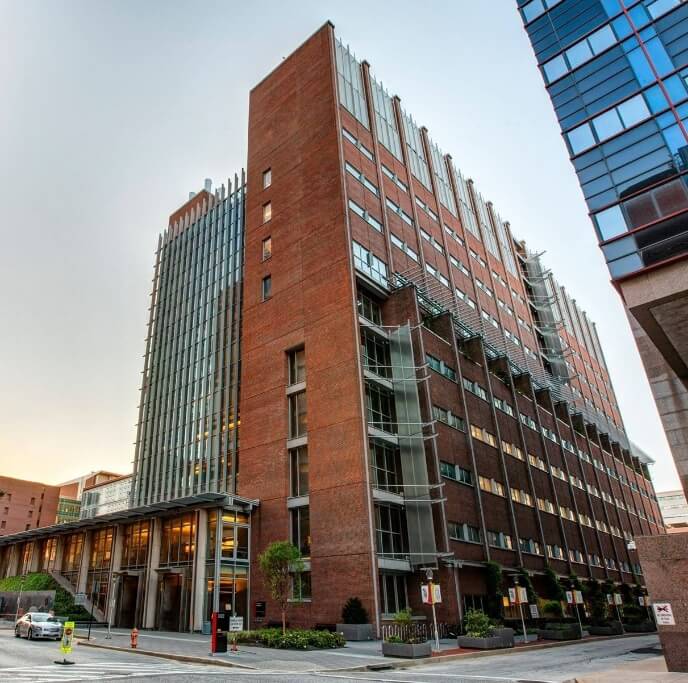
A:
[617,74]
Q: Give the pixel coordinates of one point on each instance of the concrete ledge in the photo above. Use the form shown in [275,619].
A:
[483,653]
[191,659]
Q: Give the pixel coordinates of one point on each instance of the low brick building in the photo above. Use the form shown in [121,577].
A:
[26,505]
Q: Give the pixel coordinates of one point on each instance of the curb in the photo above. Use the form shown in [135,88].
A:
[191,659]
[407,663]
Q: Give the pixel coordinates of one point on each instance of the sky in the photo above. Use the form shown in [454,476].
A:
[112,111]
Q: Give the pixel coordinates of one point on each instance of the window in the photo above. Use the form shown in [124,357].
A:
[580,138]
[381,408]
[440,366]
[369,264]
[301,586]
[33,501]
[298,466]
[446,416]
[386,464]
[456,473]
[491,486]
[3,524]
[369,309]
[393,593]
[297,415]
[352,170]
[297,366]
[266,290]
[376,354]
[528,545]
[267,212]
[267,248]
[390,528]
[464,532]
[368,218]
[267,178]
[301,530]
[498,539]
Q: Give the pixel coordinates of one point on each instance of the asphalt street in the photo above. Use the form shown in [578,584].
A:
[21,660]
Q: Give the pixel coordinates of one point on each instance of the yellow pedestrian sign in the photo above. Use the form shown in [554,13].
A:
[67,638]
[66,642]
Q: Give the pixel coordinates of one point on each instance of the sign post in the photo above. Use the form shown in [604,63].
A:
[236,624]
[66,642]
[618,600]
[518,593]
[431,594]
[575,598]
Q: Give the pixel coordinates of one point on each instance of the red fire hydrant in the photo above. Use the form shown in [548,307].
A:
[134,638]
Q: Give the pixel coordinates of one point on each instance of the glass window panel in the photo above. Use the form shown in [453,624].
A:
[611,7]
[533,10]
[578,54]
[580,138]
[676,89]
[659,57]
[659,7]
[555,68]
[622,27]
[674,138]
[633,111]
[602,39]
[656,100]
[639,16]
[607,124]
[625,265]
[610,222]
[641,67]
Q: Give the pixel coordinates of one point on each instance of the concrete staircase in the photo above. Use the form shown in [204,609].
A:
[88,605]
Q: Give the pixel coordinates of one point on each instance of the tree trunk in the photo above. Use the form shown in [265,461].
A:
[284,621]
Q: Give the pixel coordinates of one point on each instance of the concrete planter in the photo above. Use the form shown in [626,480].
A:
[407,650]
[571,633]
[644,627]
[612,629]
[530,638]
[352,632]
[500,638]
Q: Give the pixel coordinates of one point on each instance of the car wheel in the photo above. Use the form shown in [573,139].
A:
[30,635]
[16,632]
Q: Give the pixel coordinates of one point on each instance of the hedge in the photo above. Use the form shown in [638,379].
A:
[296,639]
[63,606]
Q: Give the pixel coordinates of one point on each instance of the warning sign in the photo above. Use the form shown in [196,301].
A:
[67,637]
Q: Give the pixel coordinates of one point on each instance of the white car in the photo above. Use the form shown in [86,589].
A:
[38,625]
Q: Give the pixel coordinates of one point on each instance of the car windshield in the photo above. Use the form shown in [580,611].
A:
[38,616]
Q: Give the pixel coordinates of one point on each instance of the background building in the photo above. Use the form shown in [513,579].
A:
[71,492]
[616,73]
[108,496]
[26,505]
[674,509]
[411,386]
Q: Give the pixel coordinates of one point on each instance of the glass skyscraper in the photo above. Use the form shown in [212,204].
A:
[616,73]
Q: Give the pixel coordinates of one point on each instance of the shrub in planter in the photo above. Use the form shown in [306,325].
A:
[480,633]
[560,631]
[612,628]
[292,639]
[406,646]
[552,608]
[355,622]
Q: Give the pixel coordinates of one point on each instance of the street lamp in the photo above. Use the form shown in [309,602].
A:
[520,609]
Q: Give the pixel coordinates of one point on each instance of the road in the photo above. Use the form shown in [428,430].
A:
[21,660]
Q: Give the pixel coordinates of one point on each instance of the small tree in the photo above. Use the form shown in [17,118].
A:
[525,581]
[493,583]
[278,562]
[553,589]
[354,612]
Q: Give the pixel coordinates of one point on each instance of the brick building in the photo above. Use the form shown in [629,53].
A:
[26,505]
[349,348]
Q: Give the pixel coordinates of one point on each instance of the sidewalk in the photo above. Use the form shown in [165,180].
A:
[354,656]
[197,647]
[646,671]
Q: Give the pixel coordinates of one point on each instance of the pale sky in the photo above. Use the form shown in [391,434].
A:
[111,111]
